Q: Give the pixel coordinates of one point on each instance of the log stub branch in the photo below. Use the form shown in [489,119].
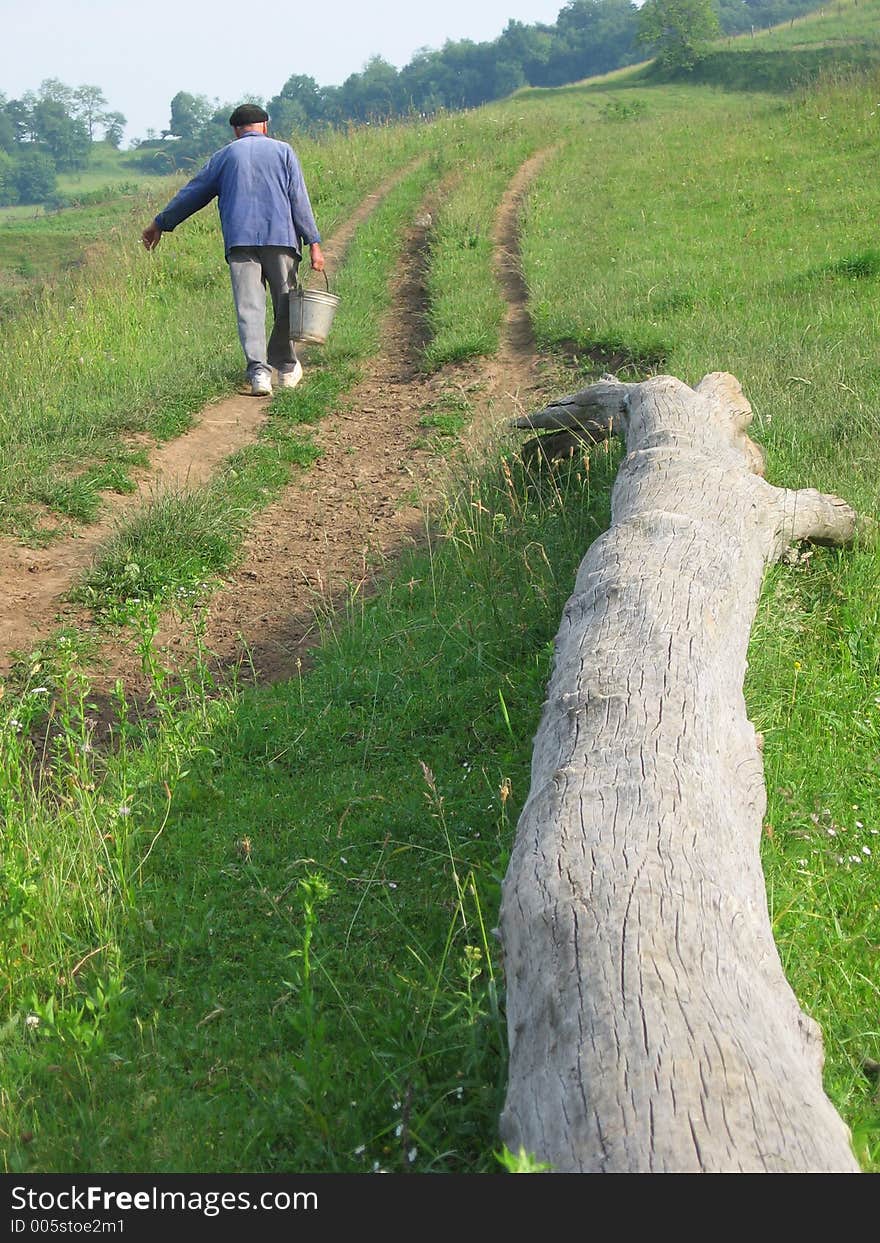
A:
[650,1024]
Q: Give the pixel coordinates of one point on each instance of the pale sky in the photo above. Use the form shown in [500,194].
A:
[141,55]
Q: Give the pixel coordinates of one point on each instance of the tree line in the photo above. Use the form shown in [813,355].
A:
[50,131]
[589,37]
[54,129]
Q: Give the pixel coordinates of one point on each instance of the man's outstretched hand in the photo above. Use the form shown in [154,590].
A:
[151,235]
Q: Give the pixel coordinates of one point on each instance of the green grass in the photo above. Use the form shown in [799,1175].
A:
[748,253]
[814,691]
[302,975]
[466,306]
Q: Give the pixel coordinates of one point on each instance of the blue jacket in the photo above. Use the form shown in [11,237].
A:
[261,195]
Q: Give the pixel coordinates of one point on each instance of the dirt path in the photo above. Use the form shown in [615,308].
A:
[33,582]
[333,527]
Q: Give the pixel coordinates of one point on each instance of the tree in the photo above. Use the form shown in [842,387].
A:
[8,180]
[424,83]
[299,105]
[21,114]
[114,124]
[592,36]
[372,93]
[34,176]
[55,91]
[89,102]
[7,129]
[189,114]
[65,137]
[679,30]
[529,47]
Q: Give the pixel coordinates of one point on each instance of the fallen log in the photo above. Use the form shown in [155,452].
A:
[650,1025]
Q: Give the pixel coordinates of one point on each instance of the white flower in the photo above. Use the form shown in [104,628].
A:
[32,1020]
[398,1130]
[866,850]
[360,1150]
[412,1154]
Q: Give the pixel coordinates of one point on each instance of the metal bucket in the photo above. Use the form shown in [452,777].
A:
[311,313]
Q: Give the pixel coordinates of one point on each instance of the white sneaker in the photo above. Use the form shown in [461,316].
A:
[261,384]
[290,379]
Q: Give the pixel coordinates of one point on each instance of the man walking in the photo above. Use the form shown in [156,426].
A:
[266,219]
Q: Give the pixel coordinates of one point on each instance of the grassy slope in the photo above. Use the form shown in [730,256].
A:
[267,1023]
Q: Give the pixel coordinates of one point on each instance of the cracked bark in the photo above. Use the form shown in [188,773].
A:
[650,1025]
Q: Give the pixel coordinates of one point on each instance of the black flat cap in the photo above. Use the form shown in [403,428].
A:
[248,114]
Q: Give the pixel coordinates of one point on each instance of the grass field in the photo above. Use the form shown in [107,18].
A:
[256,935]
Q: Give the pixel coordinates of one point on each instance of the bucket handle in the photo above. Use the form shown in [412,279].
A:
[300,287]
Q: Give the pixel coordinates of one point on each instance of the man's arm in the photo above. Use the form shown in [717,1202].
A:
[316,256]
[195,195]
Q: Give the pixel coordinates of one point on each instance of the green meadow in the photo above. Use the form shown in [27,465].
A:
[255,933]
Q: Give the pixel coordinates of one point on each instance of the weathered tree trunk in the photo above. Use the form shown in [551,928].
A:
[651,1027]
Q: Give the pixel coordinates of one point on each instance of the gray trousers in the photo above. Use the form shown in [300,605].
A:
[252,268]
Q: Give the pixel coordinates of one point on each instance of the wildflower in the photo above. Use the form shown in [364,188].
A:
[360,1150]
[412,1154]
[831,832]
[392,884]
[866,850]
[125,810]
[39,690]
[398,1130]
[855,859]
[32,1020]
